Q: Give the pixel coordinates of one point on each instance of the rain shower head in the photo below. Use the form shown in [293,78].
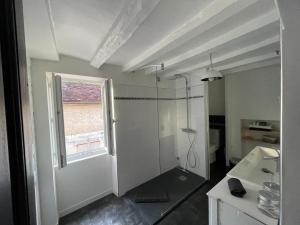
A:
[151,69]
[160,67]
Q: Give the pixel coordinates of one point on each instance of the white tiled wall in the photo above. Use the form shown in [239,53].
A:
[145,132]
[167,129]
[136,136]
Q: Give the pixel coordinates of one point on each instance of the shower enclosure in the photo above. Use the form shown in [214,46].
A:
[161,143]
[182,119]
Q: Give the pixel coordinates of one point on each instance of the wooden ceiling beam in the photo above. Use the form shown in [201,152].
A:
[233,34]
[230,55]
[215,13]
[128,21]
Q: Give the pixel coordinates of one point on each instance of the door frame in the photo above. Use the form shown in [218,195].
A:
[18,118]
[206,114]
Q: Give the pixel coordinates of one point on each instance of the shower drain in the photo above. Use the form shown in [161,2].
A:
[182,178]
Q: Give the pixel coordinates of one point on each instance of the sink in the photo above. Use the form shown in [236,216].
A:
[252,168]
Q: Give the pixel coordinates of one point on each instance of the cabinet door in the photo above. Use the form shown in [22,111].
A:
[229,215]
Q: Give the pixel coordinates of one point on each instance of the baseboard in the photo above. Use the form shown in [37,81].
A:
[81,204]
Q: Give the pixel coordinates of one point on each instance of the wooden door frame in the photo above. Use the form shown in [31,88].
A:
[18,120]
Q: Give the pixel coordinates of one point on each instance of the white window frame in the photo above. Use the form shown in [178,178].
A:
[56,118]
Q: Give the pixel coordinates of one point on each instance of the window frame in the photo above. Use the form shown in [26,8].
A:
[55,105]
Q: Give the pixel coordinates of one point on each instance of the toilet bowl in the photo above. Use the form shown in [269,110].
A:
[214,145]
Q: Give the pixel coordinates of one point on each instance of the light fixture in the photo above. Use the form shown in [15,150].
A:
[211,74]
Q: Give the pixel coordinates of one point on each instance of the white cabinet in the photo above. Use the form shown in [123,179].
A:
[232,216]
[221,213]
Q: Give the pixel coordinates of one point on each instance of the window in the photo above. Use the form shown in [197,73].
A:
[82,118]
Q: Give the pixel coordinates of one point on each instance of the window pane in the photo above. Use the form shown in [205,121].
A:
[83,119]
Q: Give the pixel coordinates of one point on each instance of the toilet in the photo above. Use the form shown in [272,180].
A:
[214,144]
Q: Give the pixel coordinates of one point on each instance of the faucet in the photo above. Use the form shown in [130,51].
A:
[276,158]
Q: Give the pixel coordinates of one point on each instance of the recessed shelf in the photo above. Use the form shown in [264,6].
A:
[251,138]
[258,140]
[275,132]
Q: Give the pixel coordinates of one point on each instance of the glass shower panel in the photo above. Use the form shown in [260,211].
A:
[182,123]
[167,117]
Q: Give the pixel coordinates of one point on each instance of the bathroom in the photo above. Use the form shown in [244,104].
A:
[166,145]
[154,111]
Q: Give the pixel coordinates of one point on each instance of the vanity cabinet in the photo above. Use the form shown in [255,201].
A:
[221,213]
[226,209]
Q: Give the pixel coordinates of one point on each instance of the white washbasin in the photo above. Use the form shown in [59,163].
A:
[249,169]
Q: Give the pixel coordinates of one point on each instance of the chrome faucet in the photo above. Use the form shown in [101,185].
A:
[276,158]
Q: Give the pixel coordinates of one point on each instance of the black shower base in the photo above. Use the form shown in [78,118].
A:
[178,185]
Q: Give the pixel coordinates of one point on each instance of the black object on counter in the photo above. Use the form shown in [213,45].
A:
[236,188]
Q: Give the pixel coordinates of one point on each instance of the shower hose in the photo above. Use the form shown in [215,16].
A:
[191,156]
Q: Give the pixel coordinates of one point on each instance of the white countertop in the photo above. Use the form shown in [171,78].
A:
[247,204]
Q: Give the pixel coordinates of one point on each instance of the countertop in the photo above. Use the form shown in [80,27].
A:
[247,204]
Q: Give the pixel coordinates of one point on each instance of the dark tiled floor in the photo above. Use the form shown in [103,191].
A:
[194,211]
[176,183]
[120,211]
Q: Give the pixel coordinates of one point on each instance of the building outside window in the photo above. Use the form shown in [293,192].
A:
[83,119]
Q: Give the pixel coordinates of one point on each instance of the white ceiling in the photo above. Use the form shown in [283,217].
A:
[80,26]
[135,33]
[40,41]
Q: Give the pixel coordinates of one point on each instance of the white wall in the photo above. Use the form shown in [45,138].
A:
[198,120]
[83,182]
[136,135]
[49,214]
[34,152]
[216,93]
[290,119]
[252,94]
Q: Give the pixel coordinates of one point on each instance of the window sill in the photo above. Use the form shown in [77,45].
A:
[105,154]
[88,157]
